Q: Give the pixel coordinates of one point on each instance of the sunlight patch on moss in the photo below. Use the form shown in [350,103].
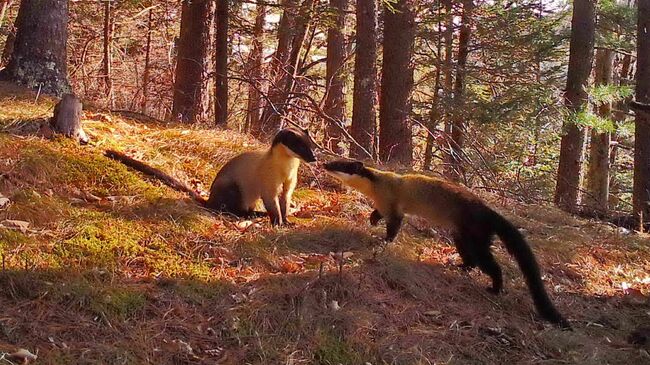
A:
[101,244]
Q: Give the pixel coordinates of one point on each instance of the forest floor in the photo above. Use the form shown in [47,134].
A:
[101,265]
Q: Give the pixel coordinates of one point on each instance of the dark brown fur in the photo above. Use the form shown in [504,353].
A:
[454,207]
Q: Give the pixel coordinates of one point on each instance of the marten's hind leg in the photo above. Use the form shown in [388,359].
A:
[227,198]
[489,266]
[465,251]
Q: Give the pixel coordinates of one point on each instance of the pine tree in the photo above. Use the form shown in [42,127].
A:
[38,59]
[191,96]
[583,24]
[395,134]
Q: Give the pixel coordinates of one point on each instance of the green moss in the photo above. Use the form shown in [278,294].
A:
[333,350]
[120,303]
[87,171]
[101,243]
[197,292]
[39,209]
[10,238]
[112,302]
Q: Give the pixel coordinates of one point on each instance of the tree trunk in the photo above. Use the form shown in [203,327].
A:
[573,139]
[67,118]
[434,113]
[598,173]
[256,86]
[8,48]
[107,59]
[641,191]
[39,57]
[454,165]
[270,119]
[147,64]
[191,94]
[285,72]
[221,65]
[335,76]
[364,114]
[395,141]
[447,87]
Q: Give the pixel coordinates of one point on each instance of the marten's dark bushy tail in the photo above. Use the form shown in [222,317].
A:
[154,172]
[519,249]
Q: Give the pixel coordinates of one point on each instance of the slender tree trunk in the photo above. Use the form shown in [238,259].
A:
[8,48]
[619,115]
[598,173]
[270,120]
[335,75]
[364,114]
[147,64]
[286,72]
[641,191]
[434,117]
[434,113]
[448,38]
[581,53]
[395,134]
[255,70]
[108,54]
[221,65]
[454,163]
[39,57]
[302,29]
[191,94]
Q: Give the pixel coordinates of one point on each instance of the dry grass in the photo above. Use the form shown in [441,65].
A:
[116,269]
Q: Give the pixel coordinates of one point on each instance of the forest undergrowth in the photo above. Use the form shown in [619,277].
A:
[101,265]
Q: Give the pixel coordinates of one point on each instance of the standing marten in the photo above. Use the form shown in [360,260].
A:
[450,206]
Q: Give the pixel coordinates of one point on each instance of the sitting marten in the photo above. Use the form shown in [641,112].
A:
[271,175]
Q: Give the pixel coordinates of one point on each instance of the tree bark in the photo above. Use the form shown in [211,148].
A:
[39,56]
[569,174]
[290,42]
[448,70]
[598,172]
[335,75]
[108,54]
[221,65]
[67,118]
[8,48]
[147,64]
[434,112]
[256,86]
[454,165]
[191,94]
[395,134]
[270,120]
[364,114]
[641,190]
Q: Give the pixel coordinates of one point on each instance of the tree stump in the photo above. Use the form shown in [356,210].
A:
[67,118]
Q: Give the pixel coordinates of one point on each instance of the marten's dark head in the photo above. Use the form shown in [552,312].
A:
[297,142]
[347,171]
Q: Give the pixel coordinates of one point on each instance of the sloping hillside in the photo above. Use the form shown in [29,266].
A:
[101,265]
